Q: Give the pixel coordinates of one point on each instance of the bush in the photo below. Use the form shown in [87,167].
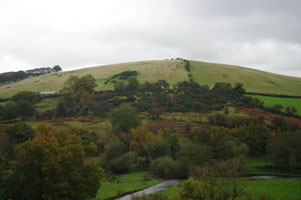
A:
[195,154]
[285,151]
[27,96]
[166,167]
[113,149]
[125,117]
[142,163]
[279,123]
[156,196]
[157,148]
[217,119]
[124,163]
[200,107]
[155,112]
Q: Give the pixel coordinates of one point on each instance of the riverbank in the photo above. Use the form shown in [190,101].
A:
[278,188]
[154,189]
[117,186]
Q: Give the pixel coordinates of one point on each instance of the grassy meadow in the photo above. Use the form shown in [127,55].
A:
[262,166]
[271,101]
[124,184]
[47,104]
[277,189]
[171,70]
[253,80]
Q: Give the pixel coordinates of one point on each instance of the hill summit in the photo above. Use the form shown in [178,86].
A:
[172,71]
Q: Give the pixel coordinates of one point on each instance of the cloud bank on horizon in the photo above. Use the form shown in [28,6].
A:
[261,34]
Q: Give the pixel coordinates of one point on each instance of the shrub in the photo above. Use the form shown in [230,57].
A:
[279,123]
[125,117]
[142,163]
[156,196]
[113,149]
[195,154]
[166,167]
[157,148]
[124,163]
[155,112]
[200,107]
[27,96]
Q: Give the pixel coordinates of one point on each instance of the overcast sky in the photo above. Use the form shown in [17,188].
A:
[262,34]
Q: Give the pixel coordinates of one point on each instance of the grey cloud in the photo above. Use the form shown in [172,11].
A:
[262,34]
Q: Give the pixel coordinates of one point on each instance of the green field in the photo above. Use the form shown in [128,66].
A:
[262,166]
[253,80]
[47,104]
[123,184]
[277,189]
[171,70]
[271,101]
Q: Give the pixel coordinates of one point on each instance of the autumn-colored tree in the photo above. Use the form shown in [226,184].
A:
[51,166]
[256,136]
[157,147]
[80,88]
[139,139]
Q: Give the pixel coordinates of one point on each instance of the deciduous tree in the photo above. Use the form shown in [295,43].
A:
[124,117]
[51,166]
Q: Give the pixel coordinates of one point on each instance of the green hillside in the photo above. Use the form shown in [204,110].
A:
[253,80]
[171,70]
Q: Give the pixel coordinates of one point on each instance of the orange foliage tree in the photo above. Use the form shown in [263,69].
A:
[139,139]
[51,166]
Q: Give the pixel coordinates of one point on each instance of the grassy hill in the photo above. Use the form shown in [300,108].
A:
[253,80]
[171,70]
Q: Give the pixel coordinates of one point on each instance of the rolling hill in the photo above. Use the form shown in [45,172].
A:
[171,70]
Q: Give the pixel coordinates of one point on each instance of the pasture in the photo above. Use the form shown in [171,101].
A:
[172,71]
[253,80]
[285,102]
[277,189]
[114,186]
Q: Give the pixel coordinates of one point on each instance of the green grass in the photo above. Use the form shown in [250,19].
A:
[118,185]
[262,166]
[232,112]
[253,80]
[172,191]
[278,189]
[171,70]
[271,101]
[47,104]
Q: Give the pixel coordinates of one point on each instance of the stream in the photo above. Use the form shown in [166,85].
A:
[276,177]
[156,188]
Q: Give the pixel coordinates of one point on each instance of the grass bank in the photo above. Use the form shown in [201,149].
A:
[262,166]
[123,184]
[253,80]
[277,189]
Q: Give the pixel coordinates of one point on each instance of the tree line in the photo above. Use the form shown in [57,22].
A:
[35,163]
[8,77]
